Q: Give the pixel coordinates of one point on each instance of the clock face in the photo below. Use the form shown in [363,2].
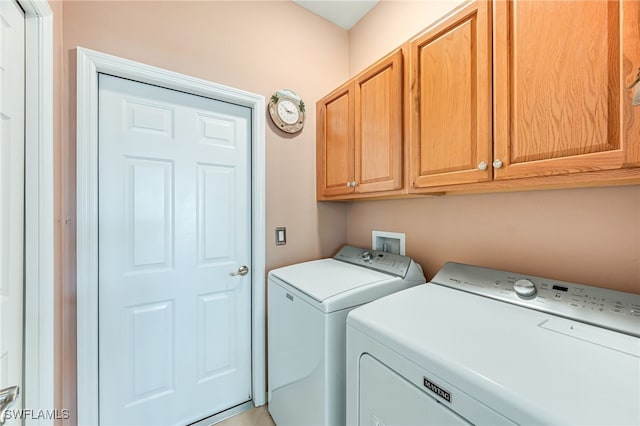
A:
[288,111]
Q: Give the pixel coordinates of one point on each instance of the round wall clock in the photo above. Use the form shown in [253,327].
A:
[287,111]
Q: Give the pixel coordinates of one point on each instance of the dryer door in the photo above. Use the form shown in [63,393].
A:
[386,399]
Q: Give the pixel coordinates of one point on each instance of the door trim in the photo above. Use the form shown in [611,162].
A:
[39,343]
[89,64]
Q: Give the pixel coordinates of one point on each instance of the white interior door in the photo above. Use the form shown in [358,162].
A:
[12,93]
[174,223]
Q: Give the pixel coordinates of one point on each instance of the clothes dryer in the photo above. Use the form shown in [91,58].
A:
[488,347]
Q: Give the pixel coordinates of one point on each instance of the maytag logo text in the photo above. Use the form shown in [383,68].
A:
[437,390]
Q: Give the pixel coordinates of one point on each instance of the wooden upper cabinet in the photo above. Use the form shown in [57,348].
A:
[450,104]
[360,132]
[497,95]
[378,126]
[560,75]
[334,139]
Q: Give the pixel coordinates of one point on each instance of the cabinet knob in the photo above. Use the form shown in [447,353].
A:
[497,163]
[354,183]
[348,184]
[482,166]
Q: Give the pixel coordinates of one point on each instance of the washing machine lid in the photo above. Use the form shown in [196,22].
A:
[530,366]
[325,278]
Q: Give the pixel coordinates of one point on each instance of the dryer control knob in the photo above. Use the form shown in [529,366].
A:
[367,256]
[524,288]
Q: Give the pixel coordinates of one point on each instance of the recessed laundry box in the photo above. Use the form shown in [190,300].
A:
[308,305]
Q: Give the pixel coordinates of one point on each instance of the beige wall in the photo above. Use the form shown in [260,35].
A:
[388,25]
[590,236]
[257,46]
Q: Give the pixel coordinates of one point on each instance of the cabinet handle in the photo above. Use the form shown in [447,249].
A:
[497,163]
[482,166]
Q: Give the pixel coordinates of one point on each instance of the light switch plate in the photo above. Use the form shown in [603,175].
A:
[281,236]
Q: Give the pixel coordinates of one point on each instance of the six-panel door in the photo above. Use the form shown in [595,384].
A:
[174,223]
[12,141]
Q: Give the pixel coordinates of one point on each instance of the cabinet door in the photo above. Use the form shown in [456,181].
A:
[378,126]
[334,138]
[451,100]
[561,105]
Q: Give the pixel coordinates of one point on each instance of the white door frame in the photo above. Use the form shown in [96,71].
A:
[89,64]
[39,341]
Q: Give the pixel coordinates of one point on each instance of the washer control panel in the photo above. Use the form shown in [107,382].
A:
[389,263]
[615,310]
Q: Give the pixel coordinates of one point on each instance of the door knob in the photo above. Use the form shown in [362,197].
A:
[8,397]
[243,270]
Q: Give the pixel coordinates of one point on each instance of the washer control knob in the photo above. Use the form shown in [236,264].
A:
[367,256]
[524,288]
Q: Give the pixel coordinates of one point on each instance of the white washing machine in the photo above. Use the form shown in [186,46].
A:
[308,305]
[481,346]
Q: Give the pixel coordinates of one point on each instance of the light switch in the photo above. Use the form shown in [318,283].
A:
[281,236]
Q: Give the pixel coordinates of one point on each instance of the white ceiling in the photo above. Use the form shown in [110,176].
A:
[344,13]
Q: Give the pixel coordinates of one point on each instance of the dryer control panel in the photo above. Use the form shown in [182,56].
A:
[389,263]
[615,310]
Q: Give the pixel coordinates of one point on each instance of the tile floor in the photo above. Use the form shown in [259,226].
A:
[255,417]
